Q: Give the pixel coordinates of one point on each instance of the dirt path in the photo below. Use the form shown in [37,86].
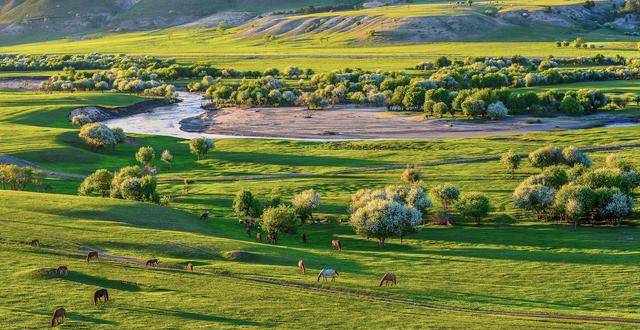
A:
[348,123]
[356,294]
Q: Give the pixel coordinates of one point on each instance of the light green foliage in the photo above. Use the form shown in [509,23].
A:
[146,156]
[96,184]
[200,146]
[305,203]
[475,206]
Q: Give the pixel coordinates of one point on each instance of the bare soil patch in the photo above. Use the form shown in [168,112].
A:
[344,123]
[22,83]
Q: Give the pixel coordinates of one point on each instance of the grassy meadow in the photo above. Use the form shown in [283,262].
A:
[508,272]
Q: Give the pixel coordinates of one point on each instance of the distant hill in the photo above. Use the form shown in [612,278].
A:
[30,20]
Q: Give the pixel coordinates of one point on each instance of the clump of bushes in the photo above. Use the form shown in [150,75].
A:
[99,136]
[200,146]
[20,178]
[581,195]
[550,156]
[131,183]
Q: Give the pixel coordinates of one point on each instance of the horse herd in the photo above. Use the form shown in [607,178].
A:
[102,295]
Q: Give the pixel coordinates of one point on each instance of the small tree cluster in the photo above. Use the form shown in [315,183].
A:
[20,178]
[305,203]
[99,136]
[581,195]
[129,183]
[550,156]
[200,146]
[394,211]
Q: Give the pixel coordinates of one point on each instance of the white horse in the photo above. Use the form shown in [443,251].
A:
[326,273]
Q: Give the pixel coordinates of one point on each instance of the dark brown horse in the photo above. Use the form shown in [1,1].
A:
[301,266]
[152,263]
[34,243]
[92,255]
[205,215]
[189,267]
[99,295]
[62,271]
[58,317]
[388,279]
[336,244]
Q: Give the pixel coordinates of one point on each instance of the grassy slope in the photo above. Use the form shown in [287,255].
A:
[228,48]
[497,266]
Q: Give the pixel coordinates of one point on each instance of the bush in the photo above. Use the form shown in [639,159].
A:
[305,203]
[474,108]
[511,161]
[410,175]
[131,188]
[446,194]
[145,156]
[536,198]
[122,175]
[200,146]
[277,220]
[18,178]
[552,176]
[574,156]
[167,157]
[245,206]
[474,205]
[98,136]
[497,111]
[546,156]
[96,184]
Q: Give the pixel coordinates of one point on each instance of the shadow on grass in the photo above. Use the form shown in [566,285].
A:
[292,159]
[102,282]
[196,316]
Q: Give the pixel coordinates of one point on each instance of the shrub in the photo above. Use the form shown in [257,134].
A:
[131,189]
[446,194]
[119,134]
[410,175]
[96,184]
[511,161]
[473,108]
[305,203]
[277,220]
[546,156]
[122,175]
[245,206]
[18,178]
[145,156]
[97,136]
[200,146]
[167,157]
[497,111]
[552,176]
[536,198]
[474,205]
[574,156]
[439,108]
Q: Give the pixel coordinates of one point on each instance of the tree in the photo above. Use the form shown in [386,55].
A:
[245,206]
[97,136]
[167,157]
[145,156]
[383,218]
[536,198]
[96,184]
[497,111]
[277,220]
[546,156]
[440,108]
[446,194]
[305,203]
[511,161]
[474,205]
[122,175]
[200,146]
[442,62]
[410,175]
[473,108]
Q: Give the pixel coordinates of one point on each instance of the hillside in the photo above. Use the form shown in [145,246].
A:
[42,19]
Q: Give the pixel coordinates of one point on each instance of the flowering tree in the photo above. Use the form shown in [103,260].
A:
[305,203]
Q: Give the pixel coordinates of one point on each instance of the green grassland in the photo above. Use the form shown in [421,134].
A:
[503,273]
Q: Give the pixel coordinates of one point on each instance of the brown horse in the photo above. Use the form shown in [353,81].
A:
[152,263]
[258,237]
[92,255]
[301,266]
[189,267]
[58,317]
[205,215]
[336,244]
[388,278]
[99,295]
[62,271]
[34,243]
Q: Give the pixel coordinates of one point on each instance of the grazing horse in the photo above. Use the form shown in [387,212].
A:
[189,267]
[326,273]
[99,295]
[301,266]
[336,244]
[388,278]
[205,215]
[152,263]
[34,243]
[258,237]
[305,239]
[62,271]
[58,317]
[92,255]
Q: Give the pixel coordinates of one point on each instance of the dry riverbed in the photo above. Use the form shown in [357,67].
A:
[376,123]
